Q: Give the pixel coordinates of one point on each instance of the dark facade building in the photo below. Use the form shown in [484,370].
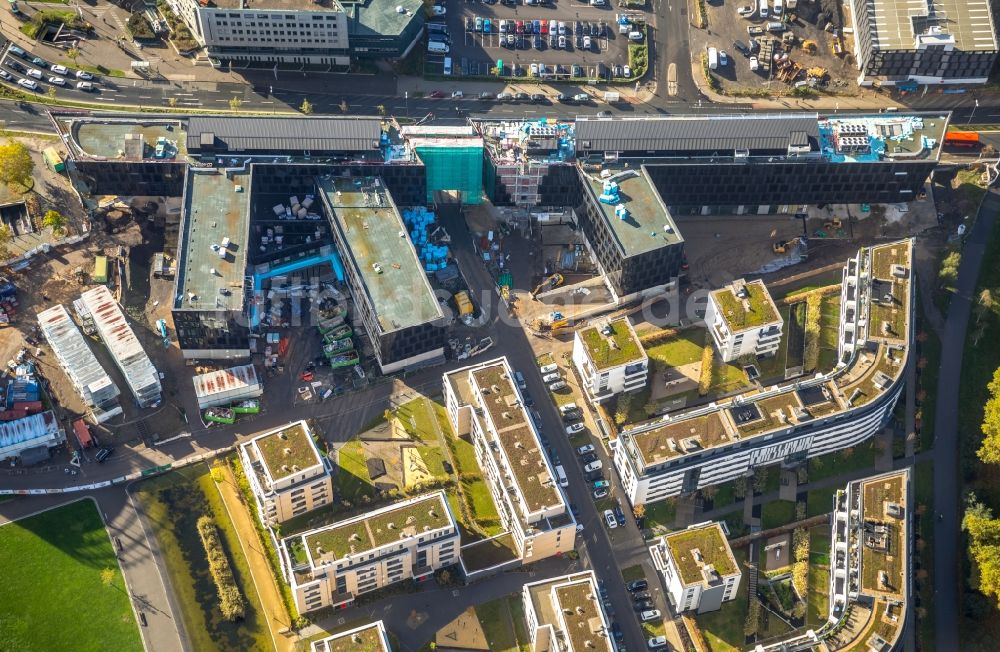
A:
[937,42]
[348,137]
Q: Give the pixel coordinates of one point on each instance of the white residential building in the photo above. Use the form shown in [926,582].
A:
[286,472]
[610,359]
[225,386]
[565,614]
[743,320]
[698,567]
[92,383]
[483,401]
[117,335]
[801,418]
[332,565]
[367,638]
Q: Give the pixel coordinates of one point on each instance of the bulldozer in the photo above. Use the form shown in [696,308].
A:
[817,72]
[809,46]
[550,283]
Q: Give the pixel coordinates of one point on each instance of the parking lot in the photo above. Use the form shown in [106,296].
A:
[807,34]
[561,40]
[33,74]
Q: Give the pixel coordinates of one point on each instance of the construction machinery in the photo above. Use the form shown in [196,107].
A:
[809,46]
[550,283]
[819,73]
[782,246]
[555,323]
[833,224]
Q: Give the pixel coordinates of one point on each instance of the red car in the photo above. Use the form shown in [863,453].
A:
[520,27]
[436,94]
[545,27]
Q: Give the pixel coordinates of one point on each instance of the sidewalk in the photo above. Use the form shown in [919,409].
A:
[627,92]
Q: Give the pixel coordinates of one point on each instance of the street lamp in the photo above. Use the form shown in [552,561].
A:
[971,115]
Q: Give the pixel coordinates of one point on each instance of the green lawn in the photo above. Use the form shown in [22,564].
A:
[351,480]
[829,325]
[495,619]
[858,458]
[173,504]
[772,368]
[684,348]
[477,495]
[53,596]
[633,573]
[818,598]
[661,514]
[433,457]
[777,513]
[723,629]
[923,483]
[820,501]
[417,417]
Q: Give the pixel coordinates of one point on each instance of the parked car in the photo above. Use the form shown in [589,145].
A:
[616,631]
[568,407]
[551,378]
[562,42]
[487,26]
[626,71]
[742,48]
[57,81]
[619,514]
[588,458]
[644,605]
[486,95]
[647,616]
[755,30]
[641,595]
[587,43]
[504,97]
[609,518]
[524,97]
[604,114]
[602,484]
[656,642]
[30,84]
[746,12]
[583,450]
[59,70]
[34,72]
[6,76]
[594,466]
[555,387]
[40,62]
[754,64]
[565,99]
[534,69]
[637,585]
[600,493]
[479,24]
[439,10]
[569,417]
[575,428]
[581,97]
[635,36]
[103,454]
[723,58]
[470,24]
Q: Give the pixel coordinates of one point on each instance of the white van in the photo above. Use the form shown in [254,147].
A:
[561,475]
[437,47]
[778,8]
[549,368]
[763,8]
[713,59]
[447,65]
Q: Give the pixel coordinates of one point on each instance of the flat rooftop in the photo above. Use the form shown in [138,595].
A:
[648,225]
[884,503]
[374,18]
[744,305]
[578,594]
[697,547]
[883,136]
[285,449]
[359,534]
[516,438]
[381,252]
[215,207]
[106,138]
[310,6]
[367,638]
[897,24]
[619,347]
[872,370]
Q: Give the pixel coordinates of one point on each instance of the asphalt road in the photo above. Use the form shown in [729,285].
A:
[947,548]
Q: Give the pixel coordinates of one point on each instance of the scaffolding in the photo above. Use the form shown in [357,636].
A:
[453,168]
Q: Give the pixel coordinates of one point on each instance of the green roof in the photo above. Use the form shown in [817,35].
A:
[758,310]
[655,446]
[578,606]
[710,542]
[378,528]
[626,345]
[368,639]
[287,447]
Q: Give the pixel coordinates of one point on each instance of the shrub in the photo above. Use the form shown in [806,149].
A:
[707,362]
[622,409]
[814,310]
[231,601]
[752,622]
[138,26]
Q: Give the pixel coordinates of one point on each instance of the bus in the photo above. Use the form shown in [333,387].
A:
[962,139]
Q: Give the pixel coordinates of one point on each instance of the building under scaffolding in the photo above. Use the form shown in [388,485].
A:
[30,437]
[453,159]
[98,392]
[226,386]
[117,335]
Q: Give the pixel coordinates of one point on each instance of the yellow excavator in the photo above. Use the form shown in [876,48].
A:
[550,283]
[781,246]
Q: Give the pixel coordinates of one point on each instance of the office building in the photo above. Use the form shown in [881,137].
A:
[332,565]
[225,386]
[286,472]
[387,280]
[366,638]
[483,402]
[222,136]
[117,335]
[610,359]
[698,567]
[743,320]
[209,309]
[99,393]
[565,614]
[898,43]
[792,421]
[386,31]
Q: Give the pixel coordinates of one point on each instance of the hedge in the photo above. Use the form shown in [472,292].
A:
[231,601]
[707,361]
[814,311]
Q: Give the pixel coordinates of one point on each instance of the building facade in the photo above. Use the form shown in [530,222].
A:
[743,320]
[332,565]
[610,359]
[698,567]
[287,474]
[483,402]
[796,420]
[566,614]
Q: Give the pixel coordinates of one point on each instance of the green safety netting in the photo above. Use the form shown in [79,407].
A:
[457,168]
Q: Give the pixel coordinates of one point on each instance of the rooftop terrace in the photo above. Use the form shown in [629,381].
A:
[884,551]
[648,225]
[286,449]
[697,547]
[619,347]
[359,534]
[215,207]
[755,310]
[873,370]
[382,253]
[883,136]
[367,638]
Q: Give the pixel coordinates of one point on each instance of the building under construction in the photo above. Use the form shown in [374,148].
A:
[225,386]
[117,335]
[70,347]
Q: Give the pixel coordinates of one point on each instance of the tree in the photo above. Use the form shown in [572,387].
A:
[306,107]
[55,220]
[72,53]
[235,103]
[107,577]
[6,236]
[989,451]
[707,362]
[984,544]
[343,106]
[948,273]
[381,109]
[639,511]
[16,165]
[51,92]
